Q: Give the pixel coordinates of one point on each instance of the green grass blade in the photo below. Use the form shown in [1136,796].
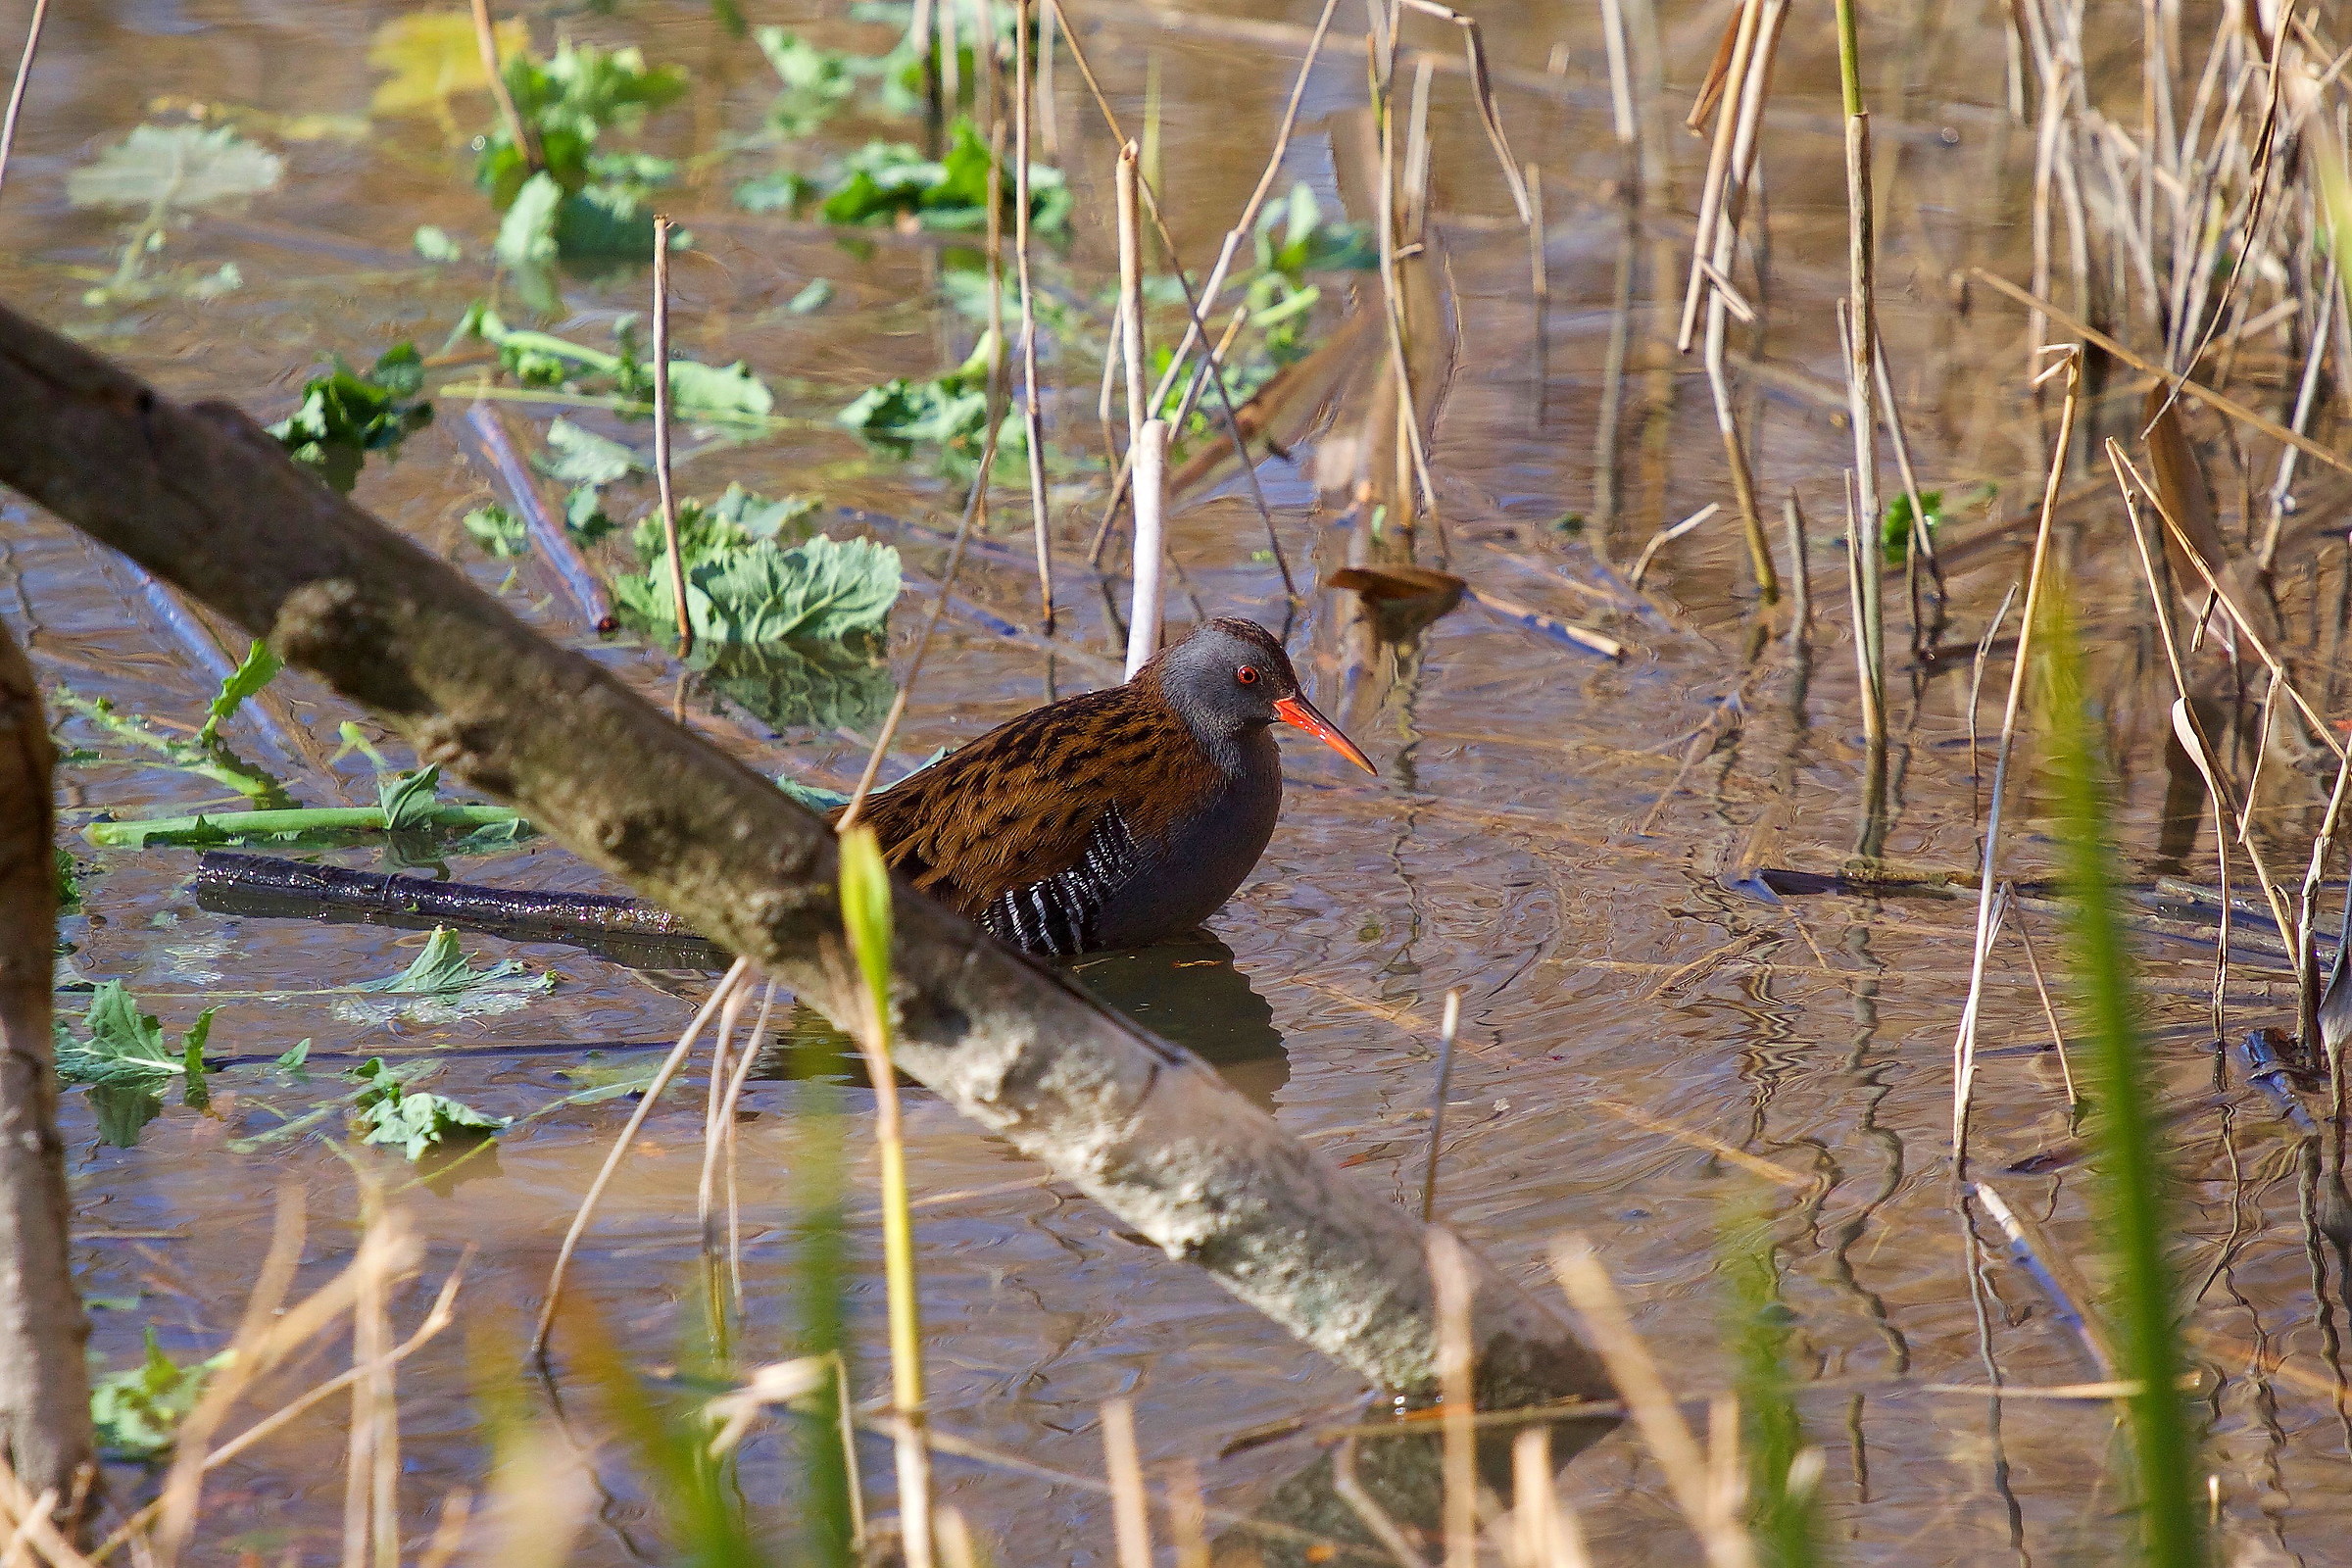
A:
[2132,1189]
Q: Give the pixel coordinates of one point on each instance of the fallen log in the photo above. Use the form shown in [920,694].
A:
[205,499]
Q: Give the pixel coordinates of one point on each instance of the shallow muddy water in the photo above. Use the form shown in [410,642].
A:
[1572,842]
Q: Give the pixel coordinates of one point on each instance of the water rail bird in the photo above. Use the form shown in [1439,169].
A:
[1114,818]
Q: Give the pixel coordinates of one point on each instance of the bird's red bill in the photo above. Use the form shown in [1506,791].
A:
[1301,712]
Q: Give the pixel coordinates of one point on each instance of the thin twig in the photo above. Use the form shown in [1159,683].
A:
[16,94]
[661,402]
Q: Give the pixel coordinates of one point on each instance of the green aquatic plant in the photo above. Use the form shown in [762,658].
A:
[892,183]
[697,391]
[124,1060]
[164,171]
[567,195]
[410,1120]
[948,412]
[256,670]
[137,1412]
[347,414]
[745,587]
[441,985]
[2133,1189]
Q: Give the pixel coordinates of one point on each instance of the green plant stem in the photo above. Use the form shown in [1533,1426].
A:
[223,826]
[2132,1188]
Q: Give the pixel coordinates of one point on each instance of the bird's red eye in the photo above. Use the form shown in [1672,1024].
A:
[1246,675]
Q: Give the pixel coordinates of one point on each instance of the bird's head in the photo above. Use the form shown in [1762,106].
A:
[1230,676]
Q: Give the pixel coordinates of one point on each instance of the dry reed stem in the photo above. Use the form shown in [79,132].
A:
[734,978]
[2055,1278]
[957,1547]
[1546,1532]
[16,92]
[1964,1044]
[1719,163]
[1482,91]
[1130,1508]
[1450,1280]
[1447,1031]
[1368,1511]
[749,1060]
[2215,401]
[1144,610]
[1188,1513]
[718,1107]
[1664,537]
[1602,1313]
[1031,415]
[519,129]
[661,410]
[2049,1013]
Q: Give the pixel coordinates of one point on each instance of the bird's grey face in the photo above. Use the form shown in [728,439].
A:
[1230,676]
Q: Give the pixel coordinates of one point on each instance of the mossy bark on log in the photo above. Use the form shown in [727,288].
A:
[205,499]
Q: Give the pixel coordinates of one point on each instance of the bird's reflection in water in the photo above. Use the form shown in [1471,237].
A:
[1187,991]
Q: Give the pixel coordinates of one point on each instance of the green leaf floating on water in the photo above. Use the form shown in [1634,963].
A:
[348,414]
[742,588]
[501,535]
[137,1412]
[409,1119]
[126,1046]
[126,1063]
[259,669]
[442,987]
[815,81]
[165,168]
[582,456]
[889,183]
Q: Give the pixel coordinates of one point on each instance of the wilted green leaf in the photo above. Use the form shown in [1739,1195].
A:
[526,235]
[813,297]
[782,191]
[137,1412]
[170,167]
[541,359]
[442,987]
[409,1119]
[259,669]
[819,686]
[950,412]
[346,414]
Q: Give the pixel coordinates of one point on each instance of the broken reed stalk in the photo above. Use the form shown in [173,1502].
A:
[1705,1507]
[1447,1031]
[1964,1044]
[2132,1177]
[1032,426]
[519,129]
[211,503]
[1458,1357]
[1130,1505]
[15,110]
[661,1081]
[866,920]
[44,1377]
[1862,392]
[661,399]
[1131,293]
[1143,606]
[1744,103]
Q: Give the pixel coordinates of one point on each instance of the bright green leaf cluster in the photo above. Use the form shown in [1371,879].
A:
[744,588]
[137,1412]
[1897,533]
[409,1119]
[347,414]
[891,183]
[949,413]
[126,1063]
